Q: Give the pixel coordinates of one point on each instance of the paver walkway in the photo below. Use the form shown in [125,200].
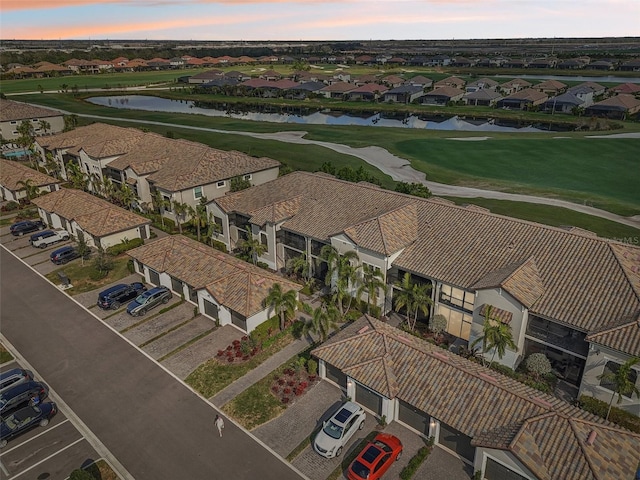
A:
[258,373]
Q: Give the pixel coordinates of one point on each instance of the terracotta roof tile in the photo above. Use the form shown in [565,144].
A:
[13,172]
[236,284]
[15,111]
[499,314]
[623,335]
[545,433]
[94,215]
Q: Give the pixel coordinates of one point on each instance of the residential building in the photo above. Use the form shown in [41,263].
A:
[442,96]
[504,429]
[12,114]
[481,84]
[227,290]
[454,82]
[620,106]
[551,87]
[102,223]
[404,94]
[15,176]
[485,97]
[523,99]
[368,92]
[564,103]
[530,275]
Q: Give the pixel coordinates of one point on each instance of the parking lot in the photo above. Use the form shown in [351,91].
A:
[50,452]
[181,341]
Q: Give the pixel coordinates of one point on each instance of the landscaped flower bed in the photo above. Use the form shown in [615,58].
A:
[239,351]
[292,383]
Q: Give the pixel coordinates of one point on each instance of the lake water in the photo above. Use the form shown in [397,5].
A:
[575,78]
[307,117]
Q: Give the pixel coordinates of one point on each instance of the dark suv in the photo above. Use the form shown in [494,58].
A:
[118,294]
[21,395]
[26,226]
[148,300]
[64,255]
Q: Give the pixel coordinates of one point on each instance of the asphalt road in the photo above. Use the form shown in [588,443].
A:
[154,425]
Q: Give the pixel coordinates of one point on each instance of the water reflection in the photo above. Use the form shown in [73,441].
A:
[305,116]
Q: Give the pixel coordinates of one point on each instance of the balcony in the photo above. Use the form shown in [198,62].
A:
[558,335]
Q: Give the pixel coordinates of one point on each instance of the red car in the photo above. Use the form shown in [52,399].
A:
[375,458]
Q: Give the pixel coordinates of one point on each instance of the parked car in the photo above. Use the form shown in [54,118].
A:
[337,431]
[149,299]
[26,226]
[25,419]
[50,237]
[115,296]
[13,377]
[375,458]
[64,254]
[39,235]
[20,395]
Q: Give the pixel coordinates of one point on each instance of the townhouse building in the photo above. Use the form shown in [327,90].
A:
[556,288]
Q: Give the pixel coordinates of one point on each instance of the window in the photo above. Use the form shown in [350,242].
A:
[197,193]
[264,241]
[375,268]
[458,323]
[457,297]
[167,203]
[221,184]
[611,368]
[247,177]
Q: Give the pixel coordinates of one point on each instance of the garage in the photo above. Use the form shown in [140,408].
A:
[336,376]
[369,399]
[154,277]
[211,309]
[497,471]
[456,441]
[414,418]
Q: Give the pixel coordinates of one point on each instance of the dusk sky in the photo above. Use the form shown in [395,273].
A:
[316,19]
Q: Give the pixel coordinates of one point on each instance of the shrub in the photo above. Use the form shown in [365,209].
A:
[285,399]
[621,417]
[286,391]
[538,364]
[95,274]
[409,471]
[10,206]
[124,246]
[130,266]
[438,324]
[312,367]
[80,474]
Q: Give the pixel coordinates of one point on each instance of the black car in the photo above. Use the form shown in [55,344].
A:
[26,226]
[25,419]
[21,395]
[115,296]
[64,255]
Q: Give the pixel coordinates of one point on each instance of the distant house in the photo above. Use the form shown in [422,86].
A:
[392,81]
[484,97]
[523,100]
[369,91]
[14,176]
[480,84]
[620,107]
[404,94]
[227,290]
[597,89]
[543,63]
[625,88]
[303,90]
[12,114]
[455,82]
[206,77]
[102,223]
[564,103]
[462,62]
[550,87]
[364,79]
[270,75]
[442,96]
[421,81]
[513,86]
[601,65]
[630,65]
[337,90]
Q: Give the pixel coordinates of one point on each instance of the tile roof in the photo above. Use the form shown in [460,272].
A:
[557,273]
[623,335]
[445,92]
[94,215]
[236,284]
[528,95]
[13,172]
[548,435]
[14,111]
[495,313]
[622,101]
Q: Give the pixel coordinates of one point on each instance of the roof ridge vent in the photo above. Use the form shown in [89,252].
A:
[363,329]
[592,437]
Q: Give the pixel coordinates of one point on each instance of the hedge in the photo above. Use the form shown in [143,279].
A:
[621,417]
[410,470]
[124,246]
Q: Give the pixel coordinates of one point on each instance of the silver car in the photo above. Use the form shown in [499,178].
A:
[149,299]
[337,431]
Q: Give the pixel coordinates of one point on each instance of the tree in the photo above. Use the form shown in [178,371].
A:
[414,297]
[371,284]
[322,322]
[299,266]
[415,189]
[342,275]
[180,210]
[239,183]
[82,247]
[159,203]
[27,137]
[252,246]
[621,381]
[51,166]
[199,215]
[44,126]
[495,336]
[76,177]
[30,190]
[125,196]
[70,122]
[284,303]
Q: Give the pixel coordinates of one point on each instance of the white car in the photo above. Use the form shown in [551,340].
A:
[50,237]
[337,431]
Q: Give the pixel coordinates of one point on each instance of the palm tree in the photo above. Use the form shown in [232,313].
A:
[299,266]
[621,382]
[51,166]
[125,196]
[414,297]
[323,320]
[495,336]
[342,275]
[253,246]
[180,210]
[199,215]
[160,203]
[76,177]
[284,303]
[44,126]
[30,190]
[372,283]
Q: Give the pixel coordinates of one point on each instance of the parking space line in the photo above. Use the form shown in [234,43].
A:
[35,436]
[4,469]
[45,459]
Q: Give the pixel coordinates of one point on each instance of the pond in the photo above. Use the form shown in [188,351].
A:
[575,78]
[306,116]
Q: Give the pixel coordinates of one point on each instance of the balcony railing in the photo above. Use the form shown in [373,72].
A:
[559,336]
